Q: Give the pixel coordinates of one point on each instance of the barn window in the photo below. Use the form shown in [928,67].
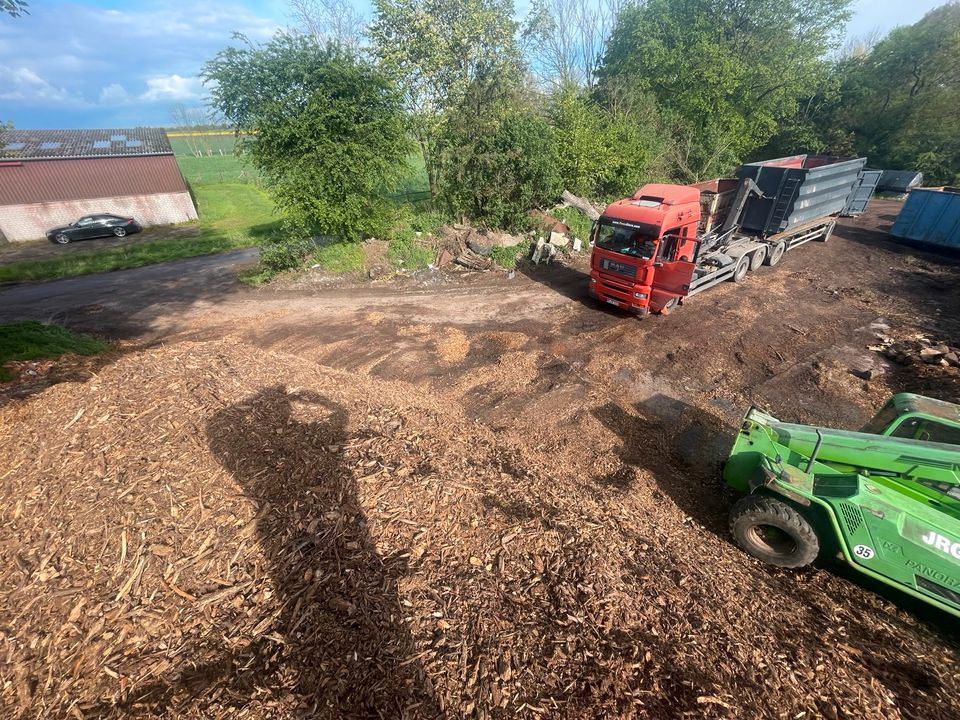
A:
[134,143]
[101,144]
[117,138]
[14,146]
[49,145]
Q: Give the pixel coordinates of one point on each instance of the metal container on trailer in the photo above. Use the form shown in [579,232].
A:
[798,190]
[930,216]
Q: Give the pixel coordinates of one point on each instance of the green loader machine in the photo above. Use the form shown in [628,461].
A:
[885,499]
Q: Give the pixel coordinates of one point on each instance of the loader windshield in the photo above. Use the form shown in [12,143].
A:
[635,240]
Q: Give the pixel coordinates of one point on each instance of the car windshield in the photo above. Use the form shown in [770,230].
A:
[637,241]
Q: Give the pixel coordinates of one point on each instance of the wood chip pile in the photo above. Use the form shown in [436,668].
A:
[213,531]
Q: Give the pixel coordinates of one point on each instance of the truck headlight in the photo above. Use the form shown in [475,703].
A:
[593,280]
[640,296]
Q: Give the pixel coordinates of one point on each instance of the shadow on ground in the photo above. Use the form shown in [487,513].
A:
[338,645]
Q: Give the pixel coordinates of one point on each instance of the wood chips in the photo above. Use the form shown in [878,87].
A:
[214,531]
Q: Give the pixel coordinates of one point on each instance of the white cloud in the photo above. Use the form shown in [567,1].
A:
[73,64]
[173,87]
[24,85]
[114,94]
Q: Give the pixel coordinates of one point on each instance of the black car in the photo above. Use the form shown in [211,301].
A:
[93,226]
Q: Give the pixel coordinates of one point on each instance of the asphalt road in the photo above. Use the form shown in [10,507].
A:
[127,302]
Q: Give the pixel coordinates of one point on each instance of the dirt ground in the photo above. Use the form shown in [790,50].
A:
[473,497]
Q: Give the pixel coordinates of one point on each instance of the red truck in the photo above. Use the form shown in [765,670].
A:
[668,242]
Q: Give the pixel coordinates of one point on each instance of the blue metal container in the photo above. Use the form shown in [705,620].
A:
[930,216]
[799,190]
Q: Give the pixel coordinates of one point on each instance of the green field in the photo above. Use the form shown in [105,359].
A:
[210,159]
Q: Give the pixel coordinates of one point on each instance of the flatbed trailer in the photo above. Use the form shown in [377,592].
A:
[745,254]
[668,242]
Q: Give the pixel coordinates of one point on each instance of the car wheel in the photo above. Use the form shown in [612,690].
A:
[61,238]
[119,231]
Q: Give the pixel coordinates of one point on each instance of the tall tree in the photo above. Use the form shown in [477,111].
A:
[727,71]
[565,39]
[329,20]
[324,126]
[499,156]
[898,101]
[437,49]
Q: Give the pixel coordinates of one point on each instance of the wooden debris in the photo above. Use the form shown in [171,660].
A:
[252,536]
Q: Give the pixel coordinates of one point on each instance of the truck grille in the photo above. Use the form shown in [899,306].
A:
[851,516]
[945,593]
[620,268]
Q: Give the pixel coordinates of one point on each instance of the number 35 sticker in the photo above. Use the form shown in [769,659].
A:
[864,551]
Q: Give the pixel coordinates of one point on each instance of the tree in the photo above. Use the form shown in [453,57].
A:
[605,152]
[324,127]
[565,39]
[898,98]
[14,8]
[725,72]
[499,157]
[329,20]
[437,49]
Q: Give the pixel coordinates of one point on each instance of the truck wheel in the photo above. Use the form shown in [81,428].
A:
[774,532]
[776,254]
[757,259]
[743,267]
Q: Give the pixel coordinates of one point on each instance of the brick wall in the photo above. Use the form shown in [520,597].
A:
[30,222]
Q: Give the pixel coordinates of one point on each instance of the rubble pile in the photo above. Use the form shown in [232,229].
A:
[920,350]
[469,247]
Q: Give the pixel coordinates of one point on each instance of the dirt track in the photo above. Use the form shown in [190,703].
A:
[523,488]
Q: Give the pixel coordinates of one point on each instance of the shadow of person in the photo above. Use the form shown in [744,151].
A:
[345,645]
[336,646]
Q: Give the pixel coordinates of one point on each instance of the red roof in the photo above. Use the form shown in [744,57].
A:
[53,180]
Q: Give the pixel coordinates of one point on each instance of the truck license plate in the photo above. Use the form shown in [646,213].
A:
[613,302]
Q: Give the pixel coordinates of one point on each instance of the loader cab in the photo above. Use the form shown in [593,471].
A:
[914,417]
[644,248]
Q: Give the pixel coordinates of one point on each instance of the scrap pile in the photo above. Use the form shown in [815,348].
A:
[469,247]
[210,530]
[919,350]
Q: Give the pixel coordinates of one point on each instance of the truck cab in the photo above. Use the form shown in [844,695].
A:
[644,248]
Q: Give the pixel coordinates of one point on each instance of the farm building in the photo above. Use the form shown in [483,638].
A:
[54,177]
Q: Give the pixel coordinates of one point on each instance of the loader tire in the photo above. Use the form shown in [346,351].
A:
[773,532]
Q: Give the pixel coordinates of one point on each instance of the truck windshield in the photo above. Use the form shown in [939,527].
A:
[636,241]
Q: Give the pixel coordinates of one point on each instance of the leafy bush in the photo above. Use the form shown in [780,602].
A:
[322,124]
[407,251]
[499,166]
[284,253]
[605,154]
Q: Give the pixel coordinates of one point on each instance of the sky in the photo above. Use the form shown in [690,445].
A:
[126,63]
